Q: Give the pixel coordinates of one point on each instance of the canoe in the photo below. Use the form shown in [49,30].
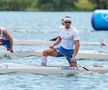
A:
[48,70]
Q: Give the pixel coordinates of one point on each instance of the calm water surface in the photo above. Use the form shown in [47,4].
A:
[45,25]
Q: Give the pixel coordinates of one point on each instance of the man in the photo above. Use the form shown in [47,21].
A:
[6,39]
[67,38]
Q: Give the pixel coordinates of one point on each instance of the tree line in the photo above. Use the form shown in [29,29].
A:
[51,5]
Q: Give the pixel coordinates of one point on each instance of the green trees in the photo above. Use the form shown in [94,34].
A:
[52,5]
[41,5]
[56,5]
[15,5]
[85,5]
[100,4]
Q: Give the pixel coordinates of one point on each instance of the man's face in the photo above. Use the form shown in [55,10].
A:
[67,24]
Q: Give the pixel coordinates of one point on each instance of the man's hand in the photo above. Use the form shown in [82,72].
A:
[74,64]
[73,59]
[11,50]
[52,46]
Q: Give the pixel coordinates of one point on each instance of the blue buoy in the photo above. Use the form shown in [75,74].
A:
[99,20]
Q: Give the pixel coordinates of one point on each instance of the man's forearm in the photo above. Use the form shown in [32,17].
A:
[11,43]
[58,40]
[77,45]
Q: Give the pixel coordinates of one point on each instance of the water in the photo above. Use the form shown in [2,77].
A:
[45,25]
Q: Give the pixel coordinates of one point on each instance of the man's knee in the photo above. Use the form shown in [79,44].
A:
[44,53]
[50,52]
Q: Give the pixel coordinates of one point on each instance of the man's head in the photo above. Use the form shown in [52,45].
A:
[67,22]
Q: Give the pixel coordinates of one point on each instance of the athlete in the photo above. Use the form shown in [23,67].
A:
[6,39]
[68,41]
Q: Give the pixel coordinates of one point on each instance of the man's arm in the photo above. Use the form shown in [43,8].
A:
[77,45]
[58,40]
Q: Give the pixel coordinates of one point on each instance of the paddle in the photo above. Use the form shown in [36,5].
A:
[53,39]
[77,64]
[83,67]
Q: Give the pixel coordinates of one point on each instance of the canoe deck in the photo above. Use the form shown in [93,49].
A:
[47,70]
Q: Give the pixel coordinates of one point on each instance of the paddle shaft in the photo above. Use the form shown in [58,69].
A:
[83,67]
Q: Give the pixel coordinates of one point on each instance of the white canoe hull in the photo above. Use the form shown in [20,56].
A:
[86,54]
[48,70]
[46,42]
[31,42]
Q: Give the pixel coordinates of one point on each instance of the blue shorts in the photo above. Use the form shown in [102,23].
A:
[5,43]
[65,52]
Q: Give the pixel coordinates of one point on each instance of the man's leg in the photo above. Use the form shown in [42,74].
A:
[49,52]
[69,56]
[71,63]
[44,60]
[7,44]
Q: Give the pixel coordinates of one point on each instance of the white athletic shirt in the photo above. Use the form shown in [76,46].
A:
[68,36]
[1,35]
